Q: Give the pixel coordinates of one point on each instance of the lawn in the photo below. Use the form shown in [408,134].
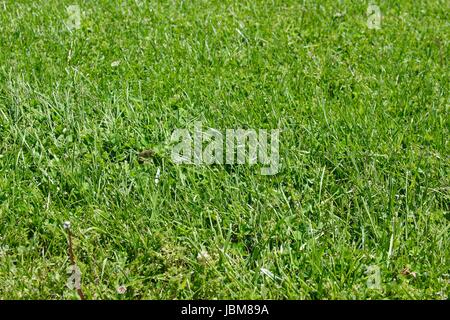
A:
[359,208]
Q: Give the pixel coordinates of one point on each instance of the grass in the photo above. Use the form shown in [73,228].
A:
[364,149]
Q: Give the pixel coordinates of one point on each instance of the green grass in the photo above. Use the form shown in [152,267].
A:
[364,149]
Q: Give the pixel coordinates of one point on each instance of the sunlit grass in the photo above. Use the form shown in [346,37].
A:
[364,177]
